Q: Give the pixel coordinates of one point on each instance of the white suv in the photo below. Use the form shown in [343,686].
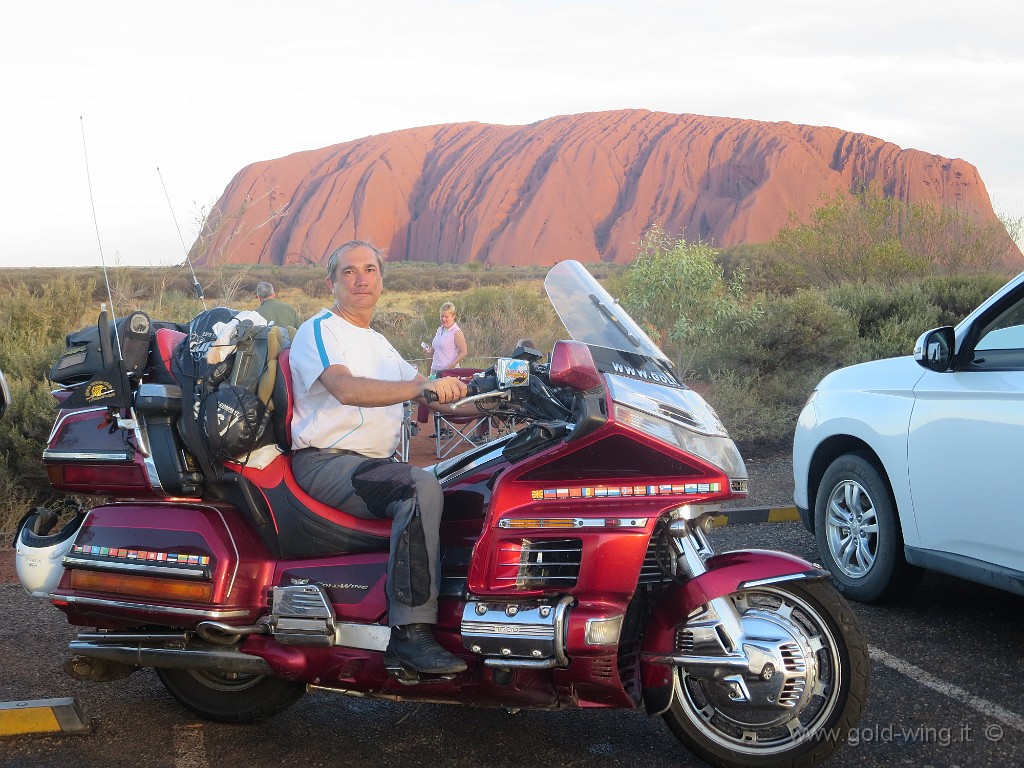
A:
[915,462]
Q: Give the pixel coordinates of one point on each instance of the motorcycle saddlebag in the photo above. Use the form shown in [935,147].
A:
[172,564]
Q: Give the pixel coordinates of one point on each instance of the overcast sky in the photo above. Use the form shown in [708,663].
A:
[201,89]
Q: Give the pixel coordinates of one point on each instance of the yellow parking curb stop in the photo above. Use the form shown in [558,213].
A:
[41,716]
[755,515]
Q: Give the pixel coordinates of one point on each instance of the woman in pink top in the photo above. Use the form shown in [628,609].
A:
[448,348]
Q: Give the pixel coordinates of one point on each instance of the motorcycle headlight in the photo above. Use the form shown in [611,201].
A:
[718,450]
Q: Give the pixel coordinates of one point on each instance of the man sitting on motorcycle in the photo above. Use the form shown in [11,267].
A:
[349,384]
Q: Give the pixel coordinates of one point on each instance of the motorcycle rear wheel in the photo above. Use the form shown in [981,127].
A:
[827,701]
[230,697]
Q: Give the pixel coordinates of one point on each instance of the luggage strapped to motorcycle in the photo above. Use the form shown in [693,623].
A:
[226,366]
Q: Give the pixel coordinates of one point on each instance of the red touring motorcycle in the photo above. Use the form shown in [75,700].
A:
[576,569]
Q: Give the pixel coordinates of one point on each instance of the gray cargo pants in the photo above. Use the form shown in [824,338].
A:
[378,489]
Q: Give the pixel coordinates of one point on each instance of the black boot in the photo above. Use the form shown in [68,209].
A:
[413,646]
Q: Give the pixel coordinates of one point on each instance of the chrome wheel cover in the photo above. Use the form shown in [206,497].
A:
[808,686]
[229,682]
[851,529]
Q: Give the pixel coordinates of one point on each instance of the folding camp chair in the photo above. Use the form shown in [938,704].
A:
[409,428]
[450,431]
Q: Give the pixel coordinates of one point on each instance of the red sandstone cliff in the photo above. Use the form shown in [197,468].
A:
[583,187]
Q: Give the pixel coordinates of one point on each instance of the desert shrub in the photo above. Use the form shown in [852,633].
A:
[35,320]
[889,317]
[392,324]
[869,237]
[616,284]
[677,290]
[452,283]
[956,297]
[173,306]
[317,288]
[24,430]
[758,374]
[494,319]
[752,418]
[761,269]
[228,285]
[402,282]
[491,278]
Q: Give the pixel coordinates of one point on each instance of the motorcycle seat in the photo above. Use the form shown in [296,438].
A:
[167,340]
[304,526]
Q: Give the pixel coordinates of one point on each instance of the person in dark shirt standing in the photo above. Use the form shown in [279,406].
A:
[273,310]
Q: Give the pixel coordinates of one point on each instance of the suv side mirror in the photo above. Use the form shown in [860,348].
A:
[934,349]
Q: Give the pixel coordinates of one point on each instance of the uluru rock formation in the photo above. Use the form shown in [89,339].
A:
[584,187]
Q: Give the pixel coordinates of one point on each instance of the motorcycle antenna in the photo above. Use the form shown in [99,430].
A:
[195,281]
[95,223]
[109,387]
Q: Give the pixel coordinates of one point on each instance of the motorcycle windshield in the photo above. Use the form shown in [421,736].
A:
[591,315]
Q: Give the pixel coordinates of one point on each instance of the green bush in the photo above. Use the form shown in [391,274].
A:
[758,374]
[36,320]
[677,290]
[742,402]
[956,297]
[889,317]
[317,288]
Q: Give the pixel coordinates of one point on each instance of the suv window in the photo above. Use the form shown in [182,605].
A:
[1000,343]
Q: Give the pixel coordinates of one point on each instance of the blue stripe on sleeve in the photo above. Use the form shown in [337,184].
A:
[318,337]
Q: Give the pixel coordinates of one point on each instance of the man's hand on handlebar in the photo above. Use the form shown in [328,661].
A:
[446,390]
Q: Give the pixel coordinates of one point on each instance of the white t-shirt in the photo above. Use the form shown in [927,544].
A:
[318,419]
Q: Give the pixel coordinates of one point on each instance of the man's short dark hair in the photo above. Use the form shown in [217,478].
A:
[332,260]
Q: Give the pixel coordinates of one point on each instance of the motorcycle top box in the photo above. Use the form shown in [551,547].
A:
[576,565]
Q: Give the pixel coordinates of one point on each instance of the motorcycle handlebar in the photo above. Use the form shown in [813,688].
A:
[478,385]
[476,388]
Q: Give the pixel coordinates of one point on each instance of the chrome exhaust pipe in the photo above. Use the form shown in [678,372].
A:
[214,659]
[227,634]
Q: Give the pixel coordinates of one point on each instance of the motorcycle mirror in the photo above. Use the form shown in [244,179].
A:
[5,394]
[527,352]
[573,366]
[512,373]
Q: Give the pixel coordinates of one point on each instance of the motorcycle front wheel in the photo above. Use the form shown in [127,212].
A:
[230,697]
[798,707]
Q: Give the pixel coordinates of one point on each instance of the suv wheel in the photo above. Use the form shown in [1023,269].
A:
[858,532]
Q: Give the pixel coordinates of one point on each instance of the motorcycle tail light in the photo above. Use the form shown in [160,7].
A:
[142,586]
[87,478]
[573,366]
